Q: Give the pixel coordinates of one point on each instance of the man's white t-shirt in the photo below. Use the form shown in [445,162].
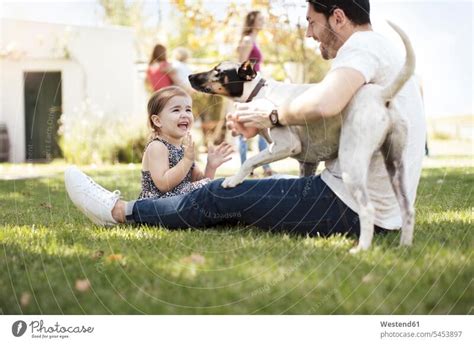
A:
[380,60]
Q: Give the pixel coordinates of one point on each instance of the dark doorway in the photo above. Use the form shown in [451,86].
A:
[42,111]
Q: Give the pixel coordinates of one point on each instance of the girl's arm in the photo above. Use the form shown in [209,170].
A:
[216,156]
[197,174]
[166,178]
[209,172]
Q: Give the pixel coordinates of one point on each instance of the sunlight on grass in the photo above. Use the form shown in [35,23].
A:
[12,196]
[453,216]
[40,240]
[59,262]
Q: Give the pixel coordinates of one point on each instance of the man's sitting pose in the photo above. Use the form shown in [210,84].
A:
[318,204]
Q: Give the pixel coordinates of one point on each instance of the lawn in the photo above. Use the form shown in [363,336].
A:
[54,261]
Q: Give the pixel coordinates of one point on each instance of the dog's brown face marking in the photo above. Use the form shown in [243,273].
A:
[216,88]
[226,79]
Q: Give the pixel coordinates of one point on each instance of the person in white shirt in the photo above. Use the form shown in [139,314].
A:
[359,56]
[181,67]
[312,205]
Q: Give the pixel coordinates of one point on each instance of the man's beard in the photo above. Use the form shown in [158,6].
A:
[330,41]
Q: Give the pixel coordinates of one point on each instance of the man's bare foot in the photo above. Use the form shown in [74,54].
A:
[118,212]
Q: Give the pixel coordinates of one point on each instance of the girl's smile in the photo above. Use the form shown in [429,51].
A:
[176,119]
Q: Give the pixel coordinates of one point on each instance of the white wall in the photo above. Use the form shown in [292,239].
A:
[12,110]
[96,63]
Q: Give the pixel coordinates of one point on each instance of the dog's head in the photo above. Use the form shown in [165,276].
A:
[226,79]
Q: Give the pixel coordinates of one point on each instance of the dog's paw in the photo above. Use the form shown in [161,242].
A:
[231,182]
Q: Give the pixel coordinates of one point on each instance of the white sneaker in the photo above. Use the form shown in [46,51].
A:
[91,198]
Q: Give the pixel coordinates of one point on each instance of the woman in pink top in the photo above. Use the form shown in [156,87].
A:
[248,50]
[160,73]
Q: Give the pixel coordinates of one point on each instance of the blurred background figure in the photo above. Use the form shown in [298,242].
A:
[181,56]
[420,83]
[160,72]
[249,50]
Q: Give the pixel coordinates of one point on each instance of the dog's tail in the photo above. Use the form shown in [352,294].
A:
[407,70]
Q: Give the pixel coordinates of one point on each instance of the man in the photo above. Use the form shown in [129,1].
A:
[318,204]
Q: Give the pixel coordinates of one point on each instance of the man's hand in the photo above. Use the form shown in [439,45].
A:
[249,118]
[255,114]
[237,128]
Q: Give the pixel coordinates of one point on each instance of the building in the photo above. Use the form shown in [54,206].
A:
[50,69]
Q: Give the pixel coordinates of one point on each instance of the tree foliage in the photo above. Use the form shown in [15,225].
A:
[130,13]
[282,40]
[195,25]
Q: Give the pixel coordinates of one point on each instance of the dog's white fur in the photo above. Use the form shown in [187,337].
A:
[369,123]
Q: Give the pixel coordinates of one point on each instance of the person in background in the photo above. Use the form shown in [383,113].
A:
[181,56]
[249,50]
[160,72]
[420,83]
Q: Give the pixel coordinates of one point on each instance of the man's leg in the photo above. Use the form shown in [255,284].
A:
[303,206]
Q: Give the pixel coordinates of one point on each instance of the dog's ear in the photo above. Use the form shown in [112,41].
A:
[246,71]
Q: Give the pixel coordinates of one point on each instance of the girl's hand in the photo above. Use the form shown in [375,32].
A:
[188,145]
[217,155]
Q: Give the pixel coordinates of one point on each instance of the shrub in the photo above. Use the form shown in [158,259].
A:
[88,135]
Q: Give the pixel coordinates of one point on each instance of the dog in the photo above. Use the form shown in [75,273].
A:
[328,138]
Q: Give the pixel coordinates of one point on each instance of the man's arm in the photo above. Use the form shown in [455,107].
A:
[326,99]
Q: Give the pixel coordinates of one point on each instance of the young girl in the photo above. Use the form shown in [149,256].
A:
[168,167]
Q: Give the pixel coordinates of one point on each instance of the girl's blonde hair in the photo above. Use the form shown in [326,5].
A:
[158,101]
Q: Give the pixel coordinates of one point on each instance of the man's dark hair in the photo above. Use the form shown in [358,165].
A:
[358,11]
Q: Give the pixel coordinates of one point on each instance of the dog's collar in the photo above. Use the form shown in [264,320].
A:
[257,89]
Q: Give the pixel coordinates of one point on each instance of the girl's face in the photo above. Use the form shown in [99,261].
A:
[176,119]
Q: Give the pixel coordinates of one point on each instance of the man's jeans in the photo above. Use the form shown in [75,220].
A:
[301,206]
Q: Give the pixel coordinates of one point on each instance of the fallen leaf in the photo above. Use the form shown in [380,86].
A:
[83,285]
[114,258]
[46,205]
[25,299]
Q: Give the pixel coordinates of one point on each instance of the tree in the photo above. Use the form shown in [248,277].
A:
[131,14]
[282,40]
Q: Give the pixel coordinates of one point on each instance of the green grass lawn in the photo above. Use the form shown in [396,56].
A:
[54,261]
